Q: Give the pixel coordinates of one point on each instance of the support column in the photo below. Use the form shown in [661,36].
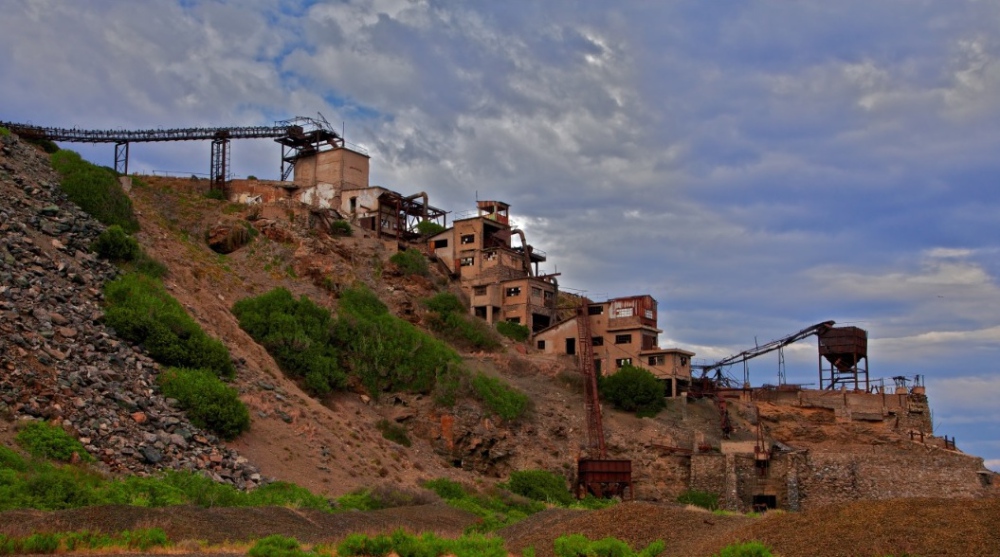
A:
[219,169]
[121,158]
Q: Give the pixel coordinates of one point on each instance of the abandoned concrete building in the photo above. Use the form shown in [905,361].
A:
[327,174]
[624,332]
[501,280]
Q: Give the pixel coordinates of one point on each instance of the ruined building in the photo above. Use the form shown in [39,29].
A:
[501,279]
[624,332]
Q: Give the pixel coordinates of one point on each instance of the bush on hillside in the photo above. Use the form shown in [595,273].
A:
[745,549]
[540,485]
[410,262]
[341,228]
[140,310]
[116,246]
[95,189]
[513,331]
[634,389]
[385,352]
[297,334]
[45,440]
[429,228]
[208,402]
[4,132]
[502,399]
[699,498]
[578,545]
[450,319]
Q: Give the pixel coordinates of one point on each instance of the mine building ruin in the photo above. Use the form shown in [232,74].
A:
[501,280]
[624,332]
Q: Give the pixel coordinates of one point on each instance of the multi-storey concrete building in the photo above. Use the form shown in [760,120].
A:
[501,279]
[623,332]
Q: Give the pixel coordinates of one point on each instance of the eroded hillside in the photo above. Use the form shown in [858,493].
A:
[59,362]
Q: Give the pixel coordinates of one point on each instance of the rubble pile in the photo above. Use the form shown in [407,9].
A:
[58,361]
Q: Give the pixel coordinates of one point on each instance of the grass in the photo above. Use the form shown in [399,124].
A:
[208,402]
[95,189]
[410,262]
[496,509]
[499,397]
[426,545]
[46,440]
[578,545]
[393,432]
[699,498]
[57,542]
[140,310]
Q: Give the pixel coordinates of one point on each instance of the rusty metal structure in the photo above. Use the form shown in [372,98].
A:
[845,351]
[596,475]
[297,136]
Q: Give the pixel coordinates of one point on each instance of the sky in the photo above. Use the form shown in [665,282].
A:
[756,166]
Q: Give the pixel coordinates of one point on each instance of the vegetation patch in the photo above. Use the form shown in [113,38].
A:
[393,432]
[279,546]
[53,542]
[426,545]
[513,331]
[95,189]
[496,509]
[45,440]
[498,396]
[577,545]
[341,228]
[208,402]
[451,320]
[4,132]
[429,228]
[296,332]
[540,485]
[698,498]
[115,245]
[140,310]
[745,549]
[410,262]
[634,389]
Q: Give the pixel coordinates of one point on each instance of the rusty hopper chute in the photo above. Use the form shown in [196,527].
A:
[843,358]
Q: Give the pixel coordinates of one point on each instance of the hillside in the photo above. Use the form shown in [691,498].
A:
[58,361]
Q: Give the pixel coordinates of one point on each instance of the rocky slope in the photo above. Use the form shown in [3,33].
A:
[57,361]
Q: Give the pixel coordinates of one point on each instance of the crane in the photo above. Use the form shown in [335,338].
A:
[596,474]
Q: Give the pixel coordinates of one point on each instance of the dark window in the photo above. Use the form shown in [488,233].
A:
[597,341]
[515,320]
[468,238]
[623,339]
[597,367]
[440,243]
[595,310]
[623,362]
[536,292]
[571,346]
[479,291]
[468,261]
[513,291]
[541,345]
[657,360]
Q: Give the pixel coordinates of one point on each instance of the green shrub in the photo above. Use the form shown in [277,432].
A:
[425,545]
[341,228]
[452,321]
[216,193]
[4,132]
[45,440]
[745,549]
[410,262]
[384,352]
[393,432]
[495,510]
[278,546]
[144,539]
[577,545]
[140,310]
[296,333]
[146,265]
[634,389]
[40,543]
[445,488]
[46,145]
[85,539]
[115,245]
[95,189]
[540,485]
[513,331]
[445,303]
[208,402]
[429,228]
[698,498]
[284,494]
[10,460]
[502,399]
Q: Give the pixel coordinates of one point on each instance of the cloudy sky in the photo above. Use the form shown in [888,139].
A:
[756,166]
